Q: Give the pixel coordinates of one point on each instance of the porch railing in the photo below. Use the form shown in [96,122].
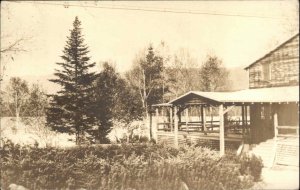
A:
[288,130]
[234,127]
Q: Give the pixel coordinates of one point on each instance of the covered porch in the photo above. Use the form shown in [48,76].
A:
[224,118]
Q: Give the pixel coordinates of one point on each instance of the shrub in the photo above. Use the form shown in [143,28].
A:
[249,164]
[129,166]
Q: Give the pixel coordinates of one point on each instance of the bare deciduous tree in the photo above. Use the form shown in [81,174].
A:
[13,46]
[146,78]
[12,42]
[182,73]
[16,97]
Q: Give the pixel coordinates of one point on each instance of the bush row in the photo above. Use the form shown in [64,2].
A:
[135,166]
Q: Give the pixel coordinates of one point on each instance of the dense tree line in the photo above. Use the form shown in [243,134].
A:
[88,102]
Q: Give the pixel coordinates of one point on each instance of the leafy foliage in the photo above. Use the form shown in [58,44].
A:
[249,164]
[37,101]
[112,101]
[70,108]
[136,166]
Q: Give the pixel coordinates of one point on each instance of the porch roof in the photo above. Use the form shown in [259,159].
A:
[162,105]
[259,95]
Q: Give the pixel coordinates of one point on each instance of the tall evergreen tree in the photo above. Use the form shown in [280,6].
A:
[70,108]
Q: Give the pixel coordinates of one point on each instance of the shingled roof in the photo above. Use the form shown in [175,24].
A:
[259,95]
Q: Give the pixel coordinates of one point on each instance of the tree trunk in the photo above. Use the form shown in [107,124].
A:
[17,119]
[17,109]
[148,126]
[77,138]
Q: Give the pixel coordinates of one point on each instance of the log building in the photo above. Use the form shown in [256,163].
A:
[268,124]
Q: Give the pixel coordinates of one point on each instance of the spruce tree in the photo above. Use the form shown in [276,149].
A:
[70,108]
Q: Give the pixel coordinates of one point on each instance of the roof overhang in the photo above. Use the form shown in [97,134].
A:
[162,105]
[250,96]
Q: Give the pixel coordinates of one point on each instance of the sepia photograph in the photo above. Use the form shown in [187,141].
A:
[149,95]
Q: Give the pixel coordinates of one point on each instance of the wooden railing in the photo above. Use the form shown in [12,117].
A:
[234,127]
[288,130]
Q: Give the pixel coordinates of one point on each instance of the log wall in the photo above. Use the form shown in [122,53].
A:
[231,142]
[283,65]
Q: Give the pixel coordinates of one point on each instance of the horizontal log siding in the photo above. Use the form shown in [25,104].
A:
[284,67]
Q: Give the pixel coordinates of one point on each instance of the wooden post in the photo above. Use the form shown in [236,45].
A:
[151,128]
[203,118]
[225,120]
[222,139]
[156,117]
[175,127]
[275,137]
[275,125]
[246,120]
[186,118]
[211,118]
[171,119]
[243,121]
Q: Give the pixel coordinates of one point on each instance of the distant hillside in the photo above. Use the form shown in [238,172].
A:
[239,78]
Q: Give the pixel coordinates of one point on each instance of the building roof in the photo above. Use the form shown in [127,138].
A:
[259,95]
[162,105]
[266,55]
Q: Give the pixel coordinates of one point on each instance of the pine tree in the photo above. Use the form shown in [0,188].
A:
[70,108]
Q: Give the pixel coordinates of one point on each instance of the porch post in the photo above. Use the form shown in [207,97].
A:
[203,115]
[222,140]
[246,120]
[151,128]
[225,119]
[175,127]
[171,119]
[275,136]
[211,122]
[275,125]
[243,121]
[186,118]
[156,117]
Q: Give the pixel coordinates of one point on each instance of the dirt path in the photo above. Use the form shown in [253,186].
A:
[279,177]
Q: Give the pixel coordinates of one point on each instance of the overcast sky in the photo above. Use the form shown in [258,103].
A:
[250,30]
